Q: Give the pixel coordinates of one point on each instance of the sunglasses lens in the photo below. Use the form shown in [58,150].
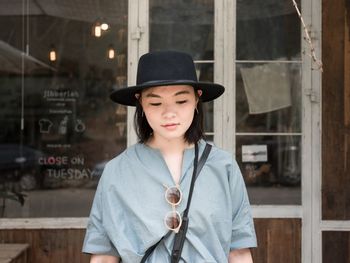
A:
[173,195]
[172,220]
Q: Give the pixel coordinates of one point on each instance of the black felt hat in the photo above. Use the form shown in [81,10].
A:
[165,68]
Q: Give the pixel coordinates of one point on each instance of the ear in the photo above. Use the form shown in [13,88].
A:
[199,93]
[137,95]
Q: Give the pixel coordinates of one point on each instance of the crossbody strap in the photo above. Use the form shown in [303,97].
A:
[181,235]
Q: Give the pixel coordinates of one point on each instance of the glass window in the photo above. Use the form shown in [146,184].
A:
[75,55]
[267,30]
[269,97]
[268,100]
[185,25]
[188,26]
[271,167]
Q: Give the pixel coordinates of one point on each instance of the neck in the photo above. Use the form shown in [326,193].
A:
[169,146]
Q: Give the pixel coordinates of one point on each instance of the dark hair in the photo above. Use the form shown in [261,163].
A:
[192,135]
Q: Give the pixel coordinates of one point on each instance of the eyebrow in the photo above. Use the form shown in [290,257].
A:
[152,95]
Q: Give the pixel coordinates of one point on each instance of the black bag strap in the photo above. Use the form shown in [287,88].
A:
[152,248]
[181,235]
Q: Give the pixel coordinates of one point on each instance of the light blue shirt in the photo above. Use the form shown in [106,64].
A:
[127,215]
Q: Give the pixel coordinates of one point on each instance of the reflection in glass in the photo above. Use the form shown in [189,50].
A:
[268,97]
[205,73]
[271,167]
[71,128]
[183,25]
[267,30]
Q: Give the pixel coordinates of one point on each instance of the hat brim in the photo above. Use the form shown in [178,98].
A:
[126,96]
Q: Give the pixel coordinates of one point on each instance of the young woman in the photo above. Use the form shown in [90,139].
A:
[143,192]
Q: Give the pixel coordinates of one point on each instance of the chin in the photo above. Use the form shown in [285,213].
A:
[172,137]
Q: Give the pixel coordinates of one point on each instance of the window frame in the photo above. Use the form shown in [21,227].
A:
[224,119]
[310,209]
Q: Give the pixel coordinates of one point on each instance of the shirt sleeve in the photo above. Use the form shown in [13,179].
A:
[96,239]
[243,232]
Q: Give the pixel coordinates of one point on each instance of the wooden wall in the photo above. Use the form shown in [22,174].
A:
[336,110]
[336,247]
[49,246]
[279,241]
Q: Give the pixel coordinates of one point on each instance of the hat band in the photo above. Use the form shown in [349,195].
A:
[160,82]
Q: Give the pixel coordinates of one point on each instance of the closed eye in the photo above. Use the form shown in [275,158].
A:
[155,104]
[181,101]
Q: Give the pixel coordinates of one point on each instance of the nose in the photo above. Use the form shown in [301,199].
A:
[168,112]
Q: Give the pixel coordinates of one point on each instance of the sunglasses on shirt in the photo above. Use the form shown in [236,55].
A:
[173,219]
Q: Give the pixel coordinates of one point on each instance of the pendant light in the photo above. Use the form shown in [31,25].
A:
[52,53]
[111,52]
[97,31]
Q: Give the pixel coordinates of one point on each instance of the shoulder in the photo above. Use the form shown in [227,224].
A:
[123,160]
[217,154]
[220,153]
[221,158]
[129,153]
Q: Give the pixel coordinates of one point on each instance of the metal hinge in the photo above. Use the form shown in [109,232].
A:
[136,34]
[312,95]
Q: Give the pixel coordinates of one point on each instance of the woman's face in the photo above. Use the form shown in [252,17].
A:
[169,109]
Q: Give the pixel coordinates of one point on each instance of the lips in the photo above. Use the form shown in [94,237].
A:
[170,125]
